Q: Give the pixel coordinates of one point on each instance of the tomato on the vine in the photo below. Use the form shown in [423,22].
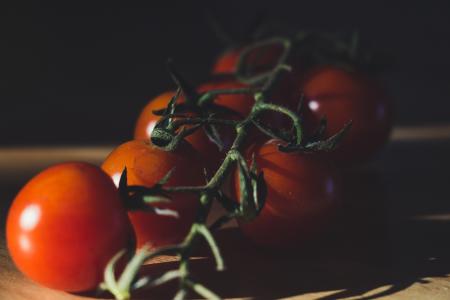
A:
[243,104]
[303,193]
[342,96]
[240,104]
[147,165]
[65,225]
[258,59]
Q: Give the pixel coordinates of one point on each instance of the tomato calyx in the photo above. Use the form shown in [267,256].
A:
[317,143]
[198,111]
[136,197]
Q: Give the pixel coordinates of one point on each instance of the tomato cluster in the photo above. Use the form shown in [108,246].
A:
[71,219]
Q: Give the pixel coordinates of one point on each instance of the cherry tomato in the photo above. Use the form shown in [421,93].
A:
[65,225]
[146,165]
[240,103]
[302,195]
[260,59]
[342,96]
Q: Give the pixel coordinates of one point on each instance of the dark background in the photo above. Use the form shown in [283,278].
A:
[80,73]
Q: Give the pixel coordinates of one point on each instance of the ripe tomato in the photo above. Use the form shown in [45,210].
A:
[65,225]
[302,195]
[240,103]
[146,165]
[243,104]
[259,59]
[342,96]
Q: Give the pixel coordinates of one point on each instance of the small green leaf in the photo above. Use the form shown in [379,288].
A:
[331,143]
[189,92]
[180,108]
[169,110]
[123,183]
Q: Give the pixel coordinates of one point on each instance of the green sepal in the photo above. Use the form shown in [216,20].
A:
[123,184]
[320,131]
[189,92]
[326,145]
[228,204]
[248,208]
[272,132]
[259,185]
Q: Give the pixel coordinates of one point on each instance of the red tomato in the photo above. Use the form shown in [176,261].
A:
[240,103]
[146,165]
[65,225]
[302,195]
[243,104]
[342,96]
[147,121]
[260,59]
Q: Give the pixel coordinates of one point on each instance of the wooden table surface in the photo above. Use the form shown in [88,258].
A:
[391,240]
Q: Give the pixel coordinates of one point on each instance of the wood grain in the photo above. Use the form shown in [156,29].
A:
[390,240]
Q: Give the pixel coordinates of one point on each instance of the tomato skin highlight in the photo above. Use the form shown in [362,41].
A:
[342,96]
[239,103]
[303,193]
[146,165]
[65,225]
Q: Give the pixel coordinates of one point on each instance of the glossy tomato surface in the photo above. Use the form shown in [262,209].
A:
[146,165]
[303,193]
[240,105]
[65,225]
[342,96]
[199,140]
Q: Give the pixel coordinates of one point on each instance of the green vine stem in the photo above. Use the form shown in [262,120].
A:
[255,79]
[248,207]
[122,287]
